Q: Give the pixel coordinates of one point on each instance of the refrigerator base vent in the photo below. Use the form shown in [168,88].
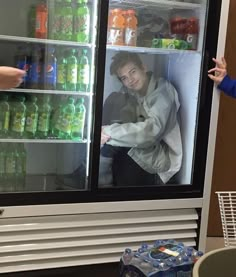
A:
[33,243]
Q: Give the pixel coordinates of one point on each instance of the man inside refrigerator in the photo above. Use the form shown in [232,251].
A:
[143,145]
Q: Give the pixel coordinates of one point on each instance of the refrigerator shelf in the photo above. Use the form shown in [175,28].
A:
[56,92]
[154,3]
[44,41]
[150,50]
[41,141]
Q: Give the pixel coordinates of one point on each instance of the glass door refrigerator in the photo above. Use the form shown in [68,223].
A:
[109,140]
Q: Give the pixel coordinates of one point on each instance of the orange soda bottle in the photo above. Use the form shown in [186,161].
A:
[41,28]
[131,23]
[116,22]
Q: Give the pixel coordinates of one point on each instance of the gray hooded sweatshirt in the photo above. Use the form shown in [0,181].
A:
[155,140]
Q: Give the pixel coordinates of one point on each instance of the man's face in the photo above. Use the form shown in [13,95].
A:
[133,77]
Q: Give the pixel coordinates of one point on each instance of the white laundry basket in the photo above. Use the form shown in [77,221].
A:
[227,204]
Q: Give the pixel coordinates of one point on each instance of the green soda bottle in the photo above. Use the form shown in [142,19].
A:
[31,117]
[56,121]
[77,130]
[18,113]
[10,167]
[2,167]
[66,29]
[44,110]
[81,28]
[55,20]
[20,156]
[83,72]
[72,69]
[67,115]
[4,115]
[61,71]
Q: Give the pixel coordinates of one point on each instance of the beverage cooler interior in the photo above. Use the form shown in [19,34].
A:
[45,124]
[46,144]
[168,37]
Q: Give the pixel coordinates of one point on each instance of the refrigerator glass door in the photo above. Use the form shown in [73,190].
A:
[45,123]
[154,58]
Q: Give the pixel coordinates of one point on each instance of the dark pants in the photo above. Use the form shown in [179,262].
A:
[126,172]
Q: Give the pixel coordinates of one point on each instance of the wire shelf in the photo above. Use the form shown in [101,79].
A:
[227,205]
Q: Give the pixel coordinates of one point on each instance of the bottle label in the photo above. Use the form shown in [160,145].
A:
[192,41]
[51,74]
[43,122]
[83,76]
[18,123]
[56,26]
[116,36]
[6,121]
[81,24]
[61,74]
[31,123]
[67,24]
[78,123]
[72,74]
[130,37]
[10,165]
[66,123]
[35,72]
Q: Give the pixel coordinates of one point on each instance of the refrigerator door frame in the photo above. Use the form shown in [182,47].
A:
[194,190]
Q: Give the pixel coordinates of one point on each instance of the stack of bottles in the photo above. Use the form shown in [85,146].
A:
[39,118]
[64,20]
[166,258]
[183,34]
[64,69]
[122,27]
[12,167]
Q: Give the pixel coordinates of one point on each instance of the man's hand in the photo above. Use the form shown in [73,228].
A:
[10,77]
[220,71]
[104,137]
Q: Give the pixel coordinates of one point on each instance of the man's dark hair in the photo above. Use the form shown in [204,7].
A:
[122,58]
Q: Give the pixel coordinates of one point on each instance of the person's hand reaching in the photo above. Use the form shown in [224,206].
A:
[10,77]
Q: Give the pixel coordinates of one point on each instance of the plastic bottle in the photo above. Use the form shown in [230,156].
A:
[81,26]
[36,69]
[55,18]
[77,129]
[56,121]
[131,23]
[2,167]
[41,21]
[23,61]
[116,27]
[18,112]
[10,168]
[72,69]
[67,115]
[178,27]
[192,30]
[50,70]
[83,72]
[66,31]
[61,70]
[31,117]
[44,109]
[4,115]
[20,157]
